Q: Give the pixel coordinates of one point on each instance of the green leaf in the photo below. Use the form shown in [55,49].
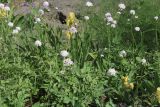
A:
[93,55]
[138,59]
[66,100]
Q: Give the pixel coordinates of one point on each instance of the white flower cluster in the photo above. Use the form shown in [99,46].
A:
[73,30]
[46,4]
[16,30]
[41,11]
[64,53]
[132,12]
[102,55]
[122,6]
[122,54]
[86,18]
[112,72]
[10,24]
[136,17]
[143,61]
[38,43]
[37,20]
[6,8]
[118,12]
[89,4]
[110,20]
[137,29]
[156,17]
[66,61]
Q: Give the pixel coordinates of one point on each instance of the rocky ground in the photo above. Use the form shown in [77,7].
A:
[65,6]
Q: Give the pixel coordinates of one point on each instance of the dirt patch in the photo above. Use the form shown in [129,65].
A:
[65,6]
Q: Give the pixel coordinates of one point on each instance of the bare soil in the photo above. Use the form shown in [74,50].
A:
[65,6]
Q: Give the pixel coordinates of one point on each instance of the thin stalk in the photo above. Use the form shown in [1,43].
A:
[157,42]
[133,38]
[142,40]
[109,47]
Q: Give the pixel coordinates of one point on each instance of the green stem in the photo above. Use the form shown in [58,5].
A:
[109,47]
[142,40]
[157,42]
[134,41]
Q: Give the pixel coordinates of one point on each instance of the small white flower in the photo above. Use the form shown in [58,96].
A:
[112,72]
[109,19]
[132,12]
[108,15]
[76,25]
[15,31]
[156,17]
[122,6]
[46,4]
[136,17]
[102,55]
[64,53]
[128,20]
[113,25]
[86,17]
[62,71]
[114,22]
[10,24]
[38,20]
[1,5]
[18,28]
[89,4]
[122,54]
[118,12]
[73,29]
[41,11]
[144,61]
[67,62]
[137,29]
[7,8]
[108,23]
[38,43]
